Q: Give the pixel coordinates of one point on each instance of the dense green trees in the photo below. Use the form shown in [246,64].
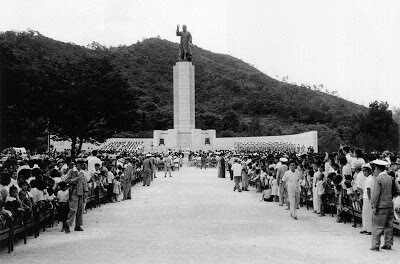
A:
[70,92]
[376,130]
[94,92]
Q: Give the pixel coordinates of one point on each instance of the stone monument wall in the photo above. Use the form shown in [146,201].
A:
[308,139]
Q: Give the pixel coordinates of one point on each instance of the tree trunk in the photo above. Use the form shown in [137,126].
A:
[73,146]
[80,144]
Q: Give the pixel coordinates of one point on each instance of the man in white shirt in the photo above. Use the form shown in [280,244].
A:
[291,179]
[92,160]
[359,179]
[279,175]
[366,209]
[348,154]
[237,174]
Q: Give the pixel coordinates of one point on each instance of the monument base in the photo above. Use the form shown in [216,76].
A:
[187,140]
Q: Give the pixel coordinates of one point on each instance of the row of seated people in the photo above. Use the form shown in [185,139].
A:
[271,146]
[123,146]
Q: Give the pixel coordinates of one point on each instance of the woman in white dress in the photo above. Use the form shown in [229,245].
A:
[367,209]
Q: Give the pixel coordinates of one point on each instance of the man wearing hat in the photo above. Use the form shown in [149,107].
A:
[77,190]
[279,175]
[382,207]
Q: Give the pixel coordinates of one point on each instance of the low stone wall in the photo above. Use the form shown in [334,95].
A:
[303,140]
[308,139]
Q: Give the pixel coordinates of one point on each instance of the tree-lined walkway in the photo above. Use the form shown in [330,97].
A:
[195,217]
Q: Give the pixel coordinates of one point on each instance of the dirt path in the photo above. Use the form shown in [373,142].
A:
[194,217]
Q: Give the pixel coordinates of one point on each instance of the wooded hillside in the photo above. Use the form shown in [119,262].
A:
[96,92]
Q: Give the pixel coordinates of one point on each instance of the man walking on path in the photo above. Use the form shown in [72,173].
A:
[167,165]
[154,168]
[291,179]
[279,175]
[147,170]
[237,174]
[245,177]
[127,180]
[77,189]
[382,207]
[230,163]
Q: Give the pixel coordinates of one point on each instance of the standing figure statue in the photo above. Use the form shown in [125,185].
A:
[185,52]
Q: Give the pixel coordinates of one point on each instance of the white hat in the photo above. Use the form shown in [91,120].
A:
[366,166]
[283,159]
[380,162]
[149,155]
[358,164]
[25,167]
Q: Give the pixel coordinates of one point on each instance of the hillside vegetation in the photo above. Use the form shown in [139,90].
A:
[95,92]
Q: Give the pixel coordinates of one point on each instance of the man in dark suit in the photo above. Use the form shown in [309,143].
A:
[77,190]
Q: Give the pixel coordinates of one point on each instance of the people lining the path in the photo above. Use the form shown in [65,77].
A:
[37,184]
[336,183]
[342,179]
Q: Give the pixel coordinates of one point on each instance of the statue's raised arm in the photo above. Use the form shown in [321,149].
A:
[185,51]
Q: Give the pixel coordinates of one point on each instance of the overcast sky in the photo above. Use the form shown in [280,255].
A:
[352,46]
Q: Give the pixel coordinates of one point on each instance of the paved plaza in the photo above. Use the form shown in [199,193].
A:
[195,217]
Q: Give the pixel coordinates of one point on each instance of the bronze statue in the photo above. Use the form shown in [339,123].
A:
[185,52]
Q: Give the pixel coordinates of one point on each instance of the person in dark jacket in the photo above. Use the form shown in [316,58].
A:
[382,207]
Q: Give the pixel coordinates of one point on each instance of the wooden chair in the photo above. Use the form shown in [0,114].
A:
[6,234]
[356,207]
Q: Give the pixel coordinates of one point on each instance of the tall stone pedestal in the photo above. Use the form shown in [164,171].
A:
[184,118]
[184,136]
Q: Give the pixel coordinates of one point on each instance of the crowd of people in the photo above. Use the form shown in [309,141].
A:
[336,179]
[39,183]
[283,177]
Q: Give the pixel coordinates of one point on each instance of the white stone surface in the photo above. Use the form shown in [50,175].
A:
[184,97]
[184,135]
[307,139]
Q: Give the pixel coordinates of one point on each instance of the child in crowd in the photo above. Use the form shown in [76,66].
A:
[26,188]
[26,203]
[321,194]
[63,206]
[274,189]
[257,179]
[116,189]
[267,195]
[13,203]
[264,179]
